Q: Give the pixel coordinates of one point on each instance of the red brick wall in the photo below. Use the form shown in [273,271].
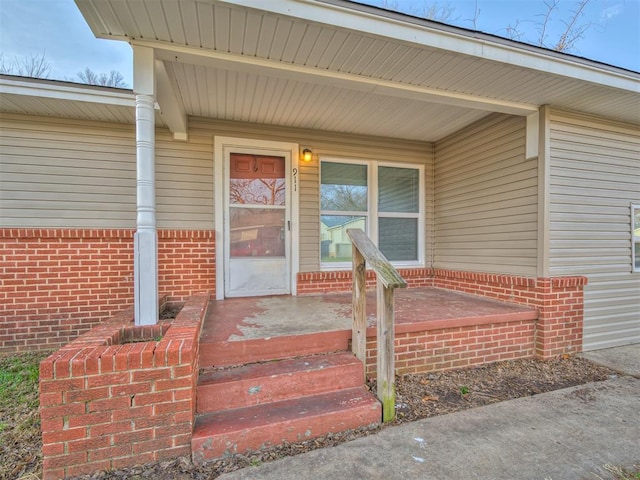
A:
[106,405]
[55,284]
[341,280]
[561,315]
[458,346]
[560,300]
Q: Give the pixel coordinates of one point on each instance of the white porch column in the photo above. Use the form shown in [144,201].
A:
[145,247]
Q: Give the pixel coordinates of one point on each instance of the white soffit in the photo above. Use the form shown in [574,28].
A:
[32,96]
[268,61]
[403,28]
[251,97]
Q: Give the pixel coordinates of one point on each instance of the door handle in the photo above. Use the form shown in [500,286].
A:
[289,225]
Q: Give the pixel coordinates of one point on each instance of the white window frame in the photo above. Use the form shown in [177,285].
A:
[635,239]
[372,213]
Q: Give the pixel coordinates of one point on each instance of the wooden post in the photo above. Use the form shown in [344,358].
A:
[386,365]
[359,307]
[388,279]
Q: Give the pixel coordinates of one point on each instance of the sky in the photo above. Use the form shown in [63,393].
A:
[55,29]
[612,36]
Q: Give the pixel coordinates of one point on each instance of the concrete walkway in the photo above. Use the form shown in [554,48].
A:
[562,435]
[625,360]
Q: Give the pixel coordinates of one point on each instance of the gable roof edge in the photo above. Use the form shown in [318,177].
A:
[412,30]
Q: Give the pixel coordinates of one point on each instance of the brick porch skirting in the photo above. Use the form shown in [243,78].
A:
[55,284]
[458,345]
[559,301]
[107,404]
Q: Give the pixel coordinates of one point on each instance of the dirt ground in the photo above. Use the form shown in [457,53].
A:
[418,396]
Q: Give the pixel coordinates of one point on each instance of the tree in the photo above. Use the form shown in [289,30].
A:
[439,12]
[111,79]
[344,198]
[34,65]
[428,10]
[257,191]
[572,31]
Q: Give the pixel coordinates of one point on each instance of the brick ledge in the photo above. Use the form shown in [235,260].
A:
[97,233]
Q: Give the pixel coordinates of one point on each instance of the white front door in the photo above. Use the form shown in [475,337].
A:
[257,222]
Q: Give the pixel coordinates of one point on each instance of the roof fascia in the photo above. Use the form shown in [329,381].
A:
[171,52]
[95,22]
[66,92]
[400,27]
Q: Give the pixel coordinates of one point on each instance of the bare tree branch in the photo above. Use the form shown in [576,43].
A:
[476,16]
[573,31]
[34,65]
[514,32]
[542,26]
[257,191]
[390,5]
[343,198]
[111,79]
[5,66]
[434,11]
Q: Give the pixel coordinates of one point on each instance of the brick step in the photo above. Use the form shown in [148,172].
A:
[239,352]
[258,383]
[251,428]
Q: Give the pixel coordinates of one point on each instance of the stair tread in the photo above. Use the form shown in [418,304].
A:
[277,367]
[285,411]
[234,352]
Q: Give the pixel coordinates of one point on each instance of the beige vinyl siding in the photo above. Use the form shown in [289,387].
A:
[66,173]
[595,176]
[321,143]
[184,182]
[79,174]
[485,199]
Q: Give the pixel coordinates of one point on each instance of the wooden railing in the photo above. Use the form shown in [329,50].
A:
[387,280]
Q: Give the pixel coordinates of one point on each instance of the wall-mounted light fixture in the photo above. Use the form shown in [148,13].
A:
[307,155]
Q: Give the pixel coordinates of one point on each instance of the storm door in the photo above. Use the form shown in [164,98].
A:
[257,225]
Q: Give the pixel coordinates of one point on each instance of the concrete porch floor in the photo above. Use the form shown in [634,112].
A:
[251,318]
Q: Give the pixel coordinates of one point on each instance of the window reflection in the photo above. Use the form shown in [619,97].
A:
[257,232]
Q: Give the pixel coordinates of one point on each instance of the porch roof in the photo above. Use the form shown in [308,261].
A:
[340,66]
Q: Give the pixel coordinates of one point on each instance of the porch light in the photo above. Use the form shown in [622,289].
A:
[307,155]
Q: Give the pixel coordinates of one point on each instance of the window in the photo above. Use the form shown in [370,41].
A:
[635,237]
[398,213]
[383,200]
[256,206]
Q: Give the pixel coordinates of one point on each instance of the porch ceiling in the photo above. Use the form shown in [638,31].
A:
[259,98]
[339,66]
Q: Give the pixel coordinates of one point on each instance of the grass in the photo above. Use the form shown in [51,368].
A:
[620,473]
[20,443]
[19,379]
